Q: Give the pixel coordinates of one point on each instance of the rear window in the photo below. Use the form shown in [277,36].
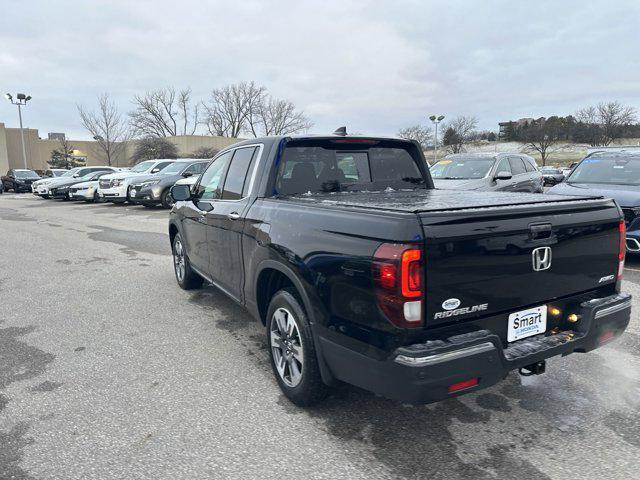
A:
[347,165]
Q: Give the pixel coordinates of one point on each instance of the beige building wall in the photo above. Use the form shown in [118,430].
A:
[4,155]
[39,150]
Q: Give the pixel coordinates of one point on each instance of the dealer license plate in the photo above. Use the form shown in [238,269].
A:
[527,323]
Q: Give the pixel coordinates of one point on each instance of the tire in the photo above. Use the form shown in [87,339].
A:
[292,351]
[186,277]
[166,199]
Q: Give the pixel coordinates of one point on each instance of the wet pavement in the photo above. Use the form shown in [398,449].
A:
[108,371]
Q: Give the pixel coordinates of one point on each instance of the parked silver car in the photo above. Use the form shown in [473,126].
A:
[507,172]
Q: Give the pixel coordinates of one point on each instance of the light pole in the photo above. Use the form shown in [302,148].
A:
[436,121]
[21,101]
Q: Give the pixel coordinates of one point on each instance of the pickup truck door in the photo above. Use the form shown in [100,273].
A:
[225,223]
[194,213]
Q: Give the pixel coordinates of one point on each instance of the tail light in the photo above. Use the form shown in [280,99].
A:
[622,248]
[398,278]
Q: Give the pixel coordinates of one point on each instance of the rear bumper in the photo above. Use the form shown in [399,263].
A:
[423,373]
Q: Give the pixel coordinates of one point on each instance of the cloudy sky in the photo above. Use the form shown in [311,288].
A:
[373,66]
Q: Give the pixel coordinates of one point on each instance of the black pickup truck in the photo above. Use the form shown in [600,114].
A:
[362,272]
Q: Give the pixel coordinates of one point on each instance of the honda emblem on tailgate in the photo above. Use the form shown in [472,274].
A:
[541,258]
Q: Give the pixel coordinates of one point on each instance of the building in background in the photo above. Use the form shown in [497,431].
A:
[39,150]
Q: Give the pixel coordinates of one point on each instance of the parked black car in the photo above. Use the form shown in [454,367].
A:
[156,189]
[551,175]
[19,180]
[504,172]
[612,175]
[362,272]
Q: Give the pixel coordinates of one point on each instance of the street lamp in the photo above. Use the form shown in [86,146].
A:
[436,121]
[21,101]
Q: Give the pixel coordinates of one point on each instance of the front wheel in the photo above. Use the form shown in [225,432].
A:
[166,199]
[186,277]
[292,350]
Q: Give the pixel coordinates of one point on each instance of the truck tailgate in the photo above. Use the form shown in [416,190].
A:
[481,261]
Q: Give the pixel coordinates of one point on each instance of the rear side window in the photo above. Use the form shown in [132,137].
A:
[321,165]
[529,164]
[517,166]
[237,174]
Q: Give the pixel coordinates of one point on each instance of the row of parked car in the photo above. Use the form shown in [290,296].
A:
[614,174]
[148,183]
[607,173]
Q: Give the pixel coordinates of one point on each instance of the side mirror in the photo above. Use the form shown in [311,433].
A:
[76,175]
[187,174]
[181,193]
[155,170]
[503,176]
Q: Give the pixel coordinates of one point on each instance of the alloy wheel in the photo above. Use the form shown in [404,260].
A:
[286,347]
[179,260]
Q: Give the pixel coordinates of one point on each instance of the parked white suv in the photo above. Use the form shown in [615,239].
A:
[115,187]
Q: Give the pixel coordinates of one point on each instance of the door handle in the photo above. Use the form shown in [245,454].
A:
[233,216]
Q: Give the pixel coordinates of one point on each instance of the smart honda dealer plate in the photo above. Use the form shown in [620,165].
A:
[527,323]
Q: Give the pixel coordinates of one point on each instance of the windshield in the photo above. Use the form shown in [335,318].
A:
[58,173]
[347,165]
[142,167]
[25,174]
[461,168]
[617,170]
[70,173]
[550,170]
[174,169]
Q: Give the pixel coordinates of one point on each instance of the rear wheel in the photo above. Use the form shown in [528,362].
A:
[293,355]
[186,277]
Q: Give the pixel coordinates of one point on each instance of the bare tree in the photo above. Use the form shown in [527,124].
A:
[458,132]
[614,117]
[604,123]
[107,127]
[278,117]
[421,134]
[542,137]
[165,113]
[230,108]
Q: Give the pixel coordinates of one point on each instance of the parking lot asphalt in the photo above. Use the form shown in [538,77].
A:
[109,371]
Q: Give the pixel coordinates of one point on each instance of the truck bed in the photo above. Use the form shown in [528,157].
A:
[425,201]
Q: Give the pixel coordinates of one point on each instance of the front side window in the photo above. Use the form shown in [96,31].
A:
[209,187]
[461,168]
[503,166]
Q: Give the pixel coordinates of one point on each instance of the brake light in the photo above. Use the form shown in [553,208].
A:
[398,279]
[622,247]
